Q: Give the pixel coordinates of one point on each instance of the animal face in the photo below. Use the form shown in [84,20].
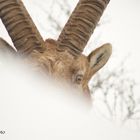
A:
[75,70]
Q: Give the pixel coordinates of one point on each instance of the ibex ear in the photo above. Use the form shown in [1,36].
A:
[6,48]
[99,57]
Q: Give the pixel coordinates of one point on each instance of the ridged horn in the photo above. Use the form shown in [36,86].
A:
[81,25]
[20,26]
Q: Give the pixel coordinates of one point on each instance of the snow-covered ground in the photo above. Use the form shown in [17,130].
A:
[27,112]
[32,107]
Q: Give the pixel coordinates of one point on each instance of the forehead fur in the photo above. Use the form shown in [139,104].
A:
[81,63]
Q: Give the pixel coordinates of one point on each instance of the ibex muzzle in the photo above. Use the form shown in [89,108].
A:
[63,58]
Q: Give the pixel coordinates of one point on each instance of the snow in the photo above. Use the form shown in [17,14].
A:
[31,107]
[31,110]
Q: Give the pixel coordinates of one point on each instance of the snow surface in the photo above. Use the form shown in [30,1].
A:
[30,109]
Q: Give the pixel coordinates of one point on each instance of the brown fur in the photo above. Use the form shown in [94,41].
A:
[60,64]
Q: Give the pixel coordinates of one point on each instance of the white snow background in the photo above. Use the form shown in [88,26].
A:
[33,109]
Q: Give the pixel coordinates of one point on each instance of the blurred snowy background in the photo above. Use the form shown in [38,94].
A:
[115,88]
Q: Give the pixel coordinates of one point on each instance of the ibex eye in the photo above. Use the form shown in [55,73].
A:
[79,78]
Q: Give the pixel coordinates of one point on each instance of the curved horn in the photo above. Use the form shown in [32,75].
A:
[81,25]
[20,26]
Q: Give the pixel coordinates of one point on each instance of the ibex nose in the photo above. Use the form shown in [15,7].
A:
[86,93]
[88,97]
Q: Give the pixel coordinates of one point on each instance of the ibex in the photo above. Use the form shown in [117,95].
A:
[63,57]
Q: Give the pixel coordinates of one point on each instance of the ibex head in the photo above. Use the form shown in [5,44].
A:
[62,58]
[77,70]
